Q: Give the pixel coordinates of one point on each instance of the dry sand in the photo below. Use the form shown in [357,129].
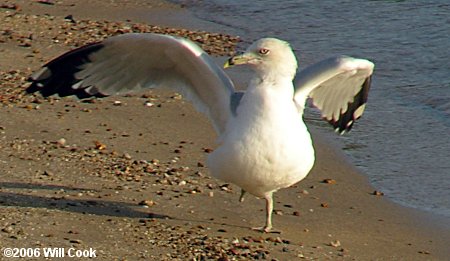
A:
[129,181]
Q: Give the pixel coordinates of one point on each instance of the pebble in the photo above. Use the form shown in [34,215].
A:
[207,150]
[8,229]
[274,239]
[225,187]
[10,6]
[99,146]
[335,243]
[47,173]
[46,2]
[329,181]
[147,203]
[61,142]
[75,241]
[378,193]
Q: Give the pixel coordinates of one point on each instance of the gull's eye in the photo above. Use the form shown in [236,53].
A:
[263,51]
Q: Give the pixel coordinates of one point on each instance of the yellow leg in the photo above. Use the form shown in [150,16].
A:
[269,209]
[241,198]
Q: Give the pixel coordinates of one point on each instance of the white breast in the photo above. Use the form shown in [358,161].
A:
[266,146]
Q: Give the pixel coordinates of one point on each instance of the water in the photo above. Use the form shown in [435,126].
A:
[403,141]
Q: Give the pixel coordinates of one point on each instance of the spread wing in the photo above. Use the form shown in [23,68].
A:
[338,86]
[132,62]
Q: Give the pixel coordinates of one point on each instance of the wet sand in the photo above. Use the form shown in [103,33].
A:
[128,179]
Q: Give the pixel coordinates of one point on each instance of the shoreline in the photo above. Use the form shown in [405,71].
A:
[424,216]
[421,216]
[341,220]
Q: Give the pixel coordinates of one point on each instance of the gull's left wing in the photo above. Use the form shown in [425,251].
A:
[338,86]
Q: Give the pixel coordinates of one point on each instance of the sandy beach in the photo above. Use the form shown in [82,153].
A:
[126,176]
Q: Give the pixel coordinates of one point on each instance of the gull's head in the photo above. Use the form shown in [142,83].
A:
[267,56]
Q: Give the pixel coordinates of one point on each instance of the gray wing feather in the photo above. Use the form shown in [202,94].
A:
[235,101]
[338,87]
[132,62]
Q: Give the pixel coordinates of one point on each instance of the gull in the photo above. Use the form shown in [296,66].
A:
[263,144]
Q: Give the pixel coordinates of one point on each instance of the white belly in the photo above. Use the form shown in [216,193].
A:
[265,148]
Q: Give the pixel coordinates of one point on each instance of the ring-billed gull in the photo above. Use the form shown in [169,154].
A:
[263,143]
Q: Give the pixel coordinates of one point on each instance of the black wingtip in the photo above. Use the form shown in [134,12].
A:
[354,111]
[58,76]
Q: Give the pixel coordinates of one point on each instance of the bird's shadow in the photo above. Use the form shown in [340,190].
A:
[85,206]
[69,204]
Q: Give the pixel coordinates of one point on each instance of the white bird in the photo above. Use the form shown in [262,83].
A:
[263,143]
